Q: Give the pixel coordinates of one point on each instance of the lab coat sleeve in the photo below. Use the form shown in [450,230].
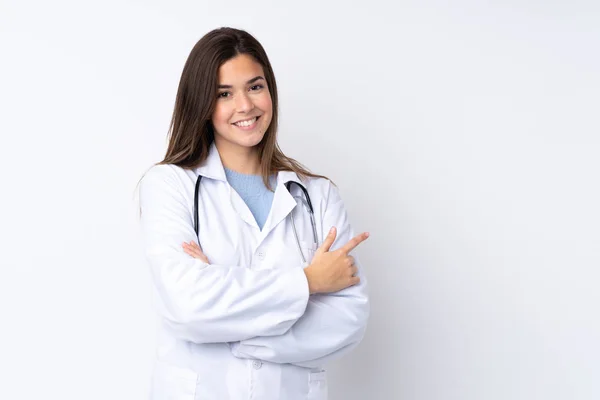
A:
[332,325]
[205,303]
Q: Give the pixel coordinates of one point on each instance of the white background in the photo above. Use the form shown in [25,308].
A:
[464,137]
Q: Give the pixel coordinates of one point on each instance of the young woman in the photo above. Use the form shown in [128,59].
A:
[249,251]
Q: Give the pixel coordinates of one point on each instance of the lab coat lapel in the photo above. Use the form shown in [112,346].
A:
[212,168]
[283,202]
[242,209]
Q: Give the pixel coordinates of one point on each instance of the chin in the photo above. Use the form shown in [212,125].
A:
[245,142]
[242,139]
[253,143]
[249,140]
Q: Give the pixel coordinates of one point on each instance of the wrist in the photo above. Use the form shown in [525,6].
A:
[310,279]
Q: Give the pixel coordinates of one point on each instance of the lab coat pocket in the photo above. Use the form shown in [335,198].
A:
[317,385]
[173,383]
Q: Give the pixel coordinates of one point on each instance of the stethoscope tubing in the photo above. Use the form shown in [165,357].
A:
[305,202]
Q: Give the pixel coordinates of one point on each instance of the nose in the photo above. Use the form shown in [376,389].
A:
[244,103]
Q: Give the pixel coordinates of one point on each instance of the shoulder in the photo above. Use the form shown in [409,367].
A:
[163,176]
[159,171]
[322,188]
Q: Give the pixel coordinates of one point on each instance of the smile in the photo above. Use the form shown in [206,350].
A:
[249,123]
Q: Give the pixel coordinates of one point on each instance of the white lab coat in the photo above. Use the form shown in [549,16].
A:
[243,327]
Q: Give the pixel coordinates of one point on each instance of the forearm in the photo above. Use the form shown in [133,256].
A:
[213,303]
[331,326]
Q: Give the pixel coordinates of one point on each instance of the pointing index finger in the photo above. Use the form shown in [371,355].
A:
[355,241]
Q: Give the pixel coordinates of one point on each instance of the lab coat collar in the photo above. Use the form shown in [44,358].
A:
[213,168]
[283,201]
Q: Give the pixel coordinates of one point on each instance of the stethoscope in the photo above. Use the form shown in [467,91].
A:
[304,200]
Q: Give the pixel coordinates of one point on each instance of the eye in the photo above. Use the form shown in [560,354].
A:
[223,95]
[257,87]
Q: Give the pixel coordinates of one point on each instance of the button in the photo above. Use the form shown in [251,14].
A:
[257,364]
[261,254]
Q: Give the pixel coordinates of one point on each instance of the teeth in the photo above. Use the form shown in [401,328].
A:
[246,123]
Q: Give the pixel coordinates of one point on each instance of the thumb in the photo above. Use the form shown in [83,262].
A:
[329,239]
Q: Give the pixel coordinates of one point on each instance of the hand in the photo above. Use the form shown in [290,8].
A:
[331,271]
[194,250]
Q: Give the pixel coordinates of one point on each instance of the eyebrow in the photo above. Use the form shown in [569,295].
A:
[256,78]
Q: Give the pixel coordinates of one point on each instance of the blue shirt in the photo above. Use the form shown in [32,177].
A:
[253,191]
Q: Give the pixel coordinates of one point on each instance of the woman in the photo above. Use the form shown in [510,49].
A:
[251,307]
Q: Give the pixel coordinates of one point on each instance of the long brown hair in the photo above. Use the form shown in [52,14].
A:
[191,132]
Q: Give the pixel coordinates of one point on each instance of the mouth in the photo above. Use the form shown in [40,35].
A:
[247,124]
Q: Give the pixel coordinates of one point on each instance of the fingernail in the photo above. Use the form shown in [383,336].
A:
[332,229]
[367,234]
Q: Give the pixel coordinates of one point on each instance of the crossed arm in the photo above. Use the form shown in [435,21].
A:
[332,324]
[265,314]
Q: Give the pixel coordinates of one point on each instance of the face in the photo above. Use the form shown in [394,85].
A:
[243,108]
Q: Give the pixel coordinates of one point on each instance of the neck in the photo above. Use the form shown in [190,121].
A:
[244,160]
